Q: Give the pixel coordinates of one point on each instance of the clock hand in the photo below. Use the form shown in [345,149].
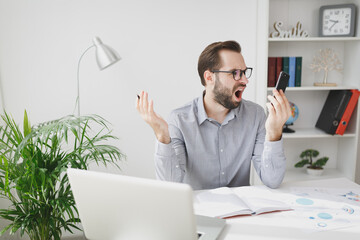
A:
[335,21]
[333,25]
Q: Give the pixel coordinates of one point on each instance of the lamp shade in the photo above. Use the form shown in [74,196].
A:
[105,55]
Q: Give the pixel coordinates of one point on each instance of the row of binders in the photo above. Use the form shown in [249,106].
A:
[290,65]
[337,111]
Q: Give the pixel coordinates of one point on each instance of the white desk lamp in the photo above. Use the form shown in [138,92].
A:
[105,57]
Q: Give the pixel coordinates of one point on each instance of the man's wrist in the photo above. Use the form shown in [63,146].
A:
[163,139]
[273,136]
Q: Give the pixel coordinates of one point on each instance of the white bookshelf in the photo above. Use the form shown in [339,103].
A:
[312,88]
[304,133]
[315,39]
[342,150]
[296,174]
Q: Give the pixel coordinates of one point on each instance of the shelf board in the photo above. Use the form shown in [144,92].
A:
[297,174]
[312,133]
[314,39]
[313,88]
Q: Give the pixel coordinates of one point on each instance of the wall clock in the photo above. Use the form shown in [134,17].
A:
[337,20]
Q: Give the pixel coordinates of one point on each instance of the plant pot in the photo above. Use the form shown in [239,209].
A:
[314,171]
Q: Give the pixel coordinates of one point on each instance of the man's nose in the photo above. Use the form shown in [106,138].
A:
[244,80]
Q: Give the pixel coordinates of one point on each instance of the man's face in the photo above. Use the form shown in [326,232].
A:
[228,92]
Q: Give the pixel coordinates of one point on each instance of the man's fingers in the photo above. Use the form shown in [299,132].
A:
[287,104]
[141,99]
[146,107]
[151,107]
[137,101]
[270,108]
[141,103]
[279,98]
[145,101]
[274,102]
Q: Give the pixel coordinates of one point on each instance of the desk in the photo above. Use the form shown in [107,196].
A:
[266,227]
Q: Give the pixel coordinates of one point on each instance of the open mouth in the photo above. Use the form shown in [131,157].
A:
[238,93]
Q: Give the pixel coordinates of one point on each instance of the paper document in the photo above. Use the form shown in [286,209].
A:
[324,209]
[227,202]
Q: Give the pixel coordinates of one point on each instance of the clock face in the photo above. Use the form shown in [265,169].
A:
[336,21]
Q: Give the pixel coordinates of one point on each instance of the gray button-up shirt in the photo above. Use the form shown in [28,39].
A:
[207,154]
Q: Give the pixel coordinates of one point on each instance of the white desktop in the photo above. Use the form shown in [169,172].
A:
[276,225]
[288,225]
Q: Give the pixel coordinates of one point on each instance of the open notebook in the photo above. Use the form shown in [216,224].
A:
[228,202]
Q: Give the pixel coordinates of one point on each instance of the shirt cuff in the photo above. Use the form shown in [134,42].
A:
[165,150]
[274,146]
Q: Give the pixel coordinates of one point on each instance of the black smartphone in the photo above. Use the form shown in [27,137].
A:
[282,81]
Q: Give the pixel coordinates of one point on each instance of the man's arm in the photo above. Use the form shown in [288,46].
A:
[170,152]
[268,157]
[170,159]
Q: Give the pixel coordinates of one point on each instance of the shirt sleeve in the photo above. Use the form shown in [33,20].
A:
[268,158]
[170,159]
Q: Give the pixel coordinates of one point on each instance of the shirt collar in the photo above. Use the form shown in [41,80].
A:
[202,116]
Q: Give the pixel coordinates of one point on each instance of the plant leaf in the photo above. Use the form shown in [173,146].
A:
[302,163]
[27,126]
[321,162]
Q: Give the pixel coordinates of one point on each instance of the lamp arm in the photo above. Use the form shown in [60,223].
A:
[78,80]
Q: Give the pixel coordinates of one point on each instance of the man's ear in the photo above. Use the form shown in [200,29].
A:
[208,76]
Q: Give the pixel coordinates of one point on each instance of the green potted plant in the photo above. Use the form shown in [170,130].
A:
[33,165]
[315,167]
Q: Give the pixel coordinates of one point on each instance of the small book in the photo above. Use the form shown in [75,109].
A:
[298,71]
[292,70]
[285,65]
[271,71]
[230,202]
[278,67]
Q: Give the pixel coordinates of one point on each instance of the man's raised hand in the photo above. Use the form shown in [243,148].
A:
[157,123]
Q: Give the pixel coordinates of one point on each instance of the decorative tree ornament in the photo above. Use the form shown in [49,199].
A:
[295,32]
[326,60]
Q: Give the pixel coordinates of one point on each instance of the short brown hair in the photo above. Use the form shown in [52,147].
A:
[209,58]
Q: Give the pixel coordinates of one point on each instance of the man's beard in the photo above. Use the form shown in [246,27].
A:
[223,95]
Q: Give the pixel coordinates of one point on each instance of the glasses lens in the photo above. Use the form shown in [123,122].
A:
[237,74]
[248,72]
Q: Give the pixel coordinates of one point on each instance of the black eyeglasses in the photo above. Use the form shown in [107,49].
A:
[237,73]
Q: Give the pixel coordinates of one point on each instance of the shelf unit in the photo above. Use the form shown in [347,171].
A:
[342,150]
[315,39]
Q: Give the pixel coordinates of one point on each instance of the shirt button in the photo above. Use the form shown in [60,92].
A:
[221,150]
[177,166]
[222,173]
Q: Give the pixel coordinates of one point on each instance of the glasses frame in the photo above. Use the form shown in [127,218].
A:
[242,72]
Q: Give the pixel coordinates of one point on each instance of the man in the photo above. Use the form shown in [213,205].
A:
[211,141]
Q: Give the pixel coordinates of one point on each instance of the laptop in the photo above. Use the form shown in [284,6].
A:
[114,207]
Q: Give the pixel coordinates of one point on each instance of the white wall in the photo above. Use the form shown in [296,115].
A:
[159,42]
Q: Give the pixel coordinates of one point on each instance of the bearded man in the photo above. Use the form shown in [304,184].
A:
[211,141]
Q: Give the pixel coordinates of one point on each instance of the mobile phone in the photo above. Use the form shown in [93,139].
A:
[282,81]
